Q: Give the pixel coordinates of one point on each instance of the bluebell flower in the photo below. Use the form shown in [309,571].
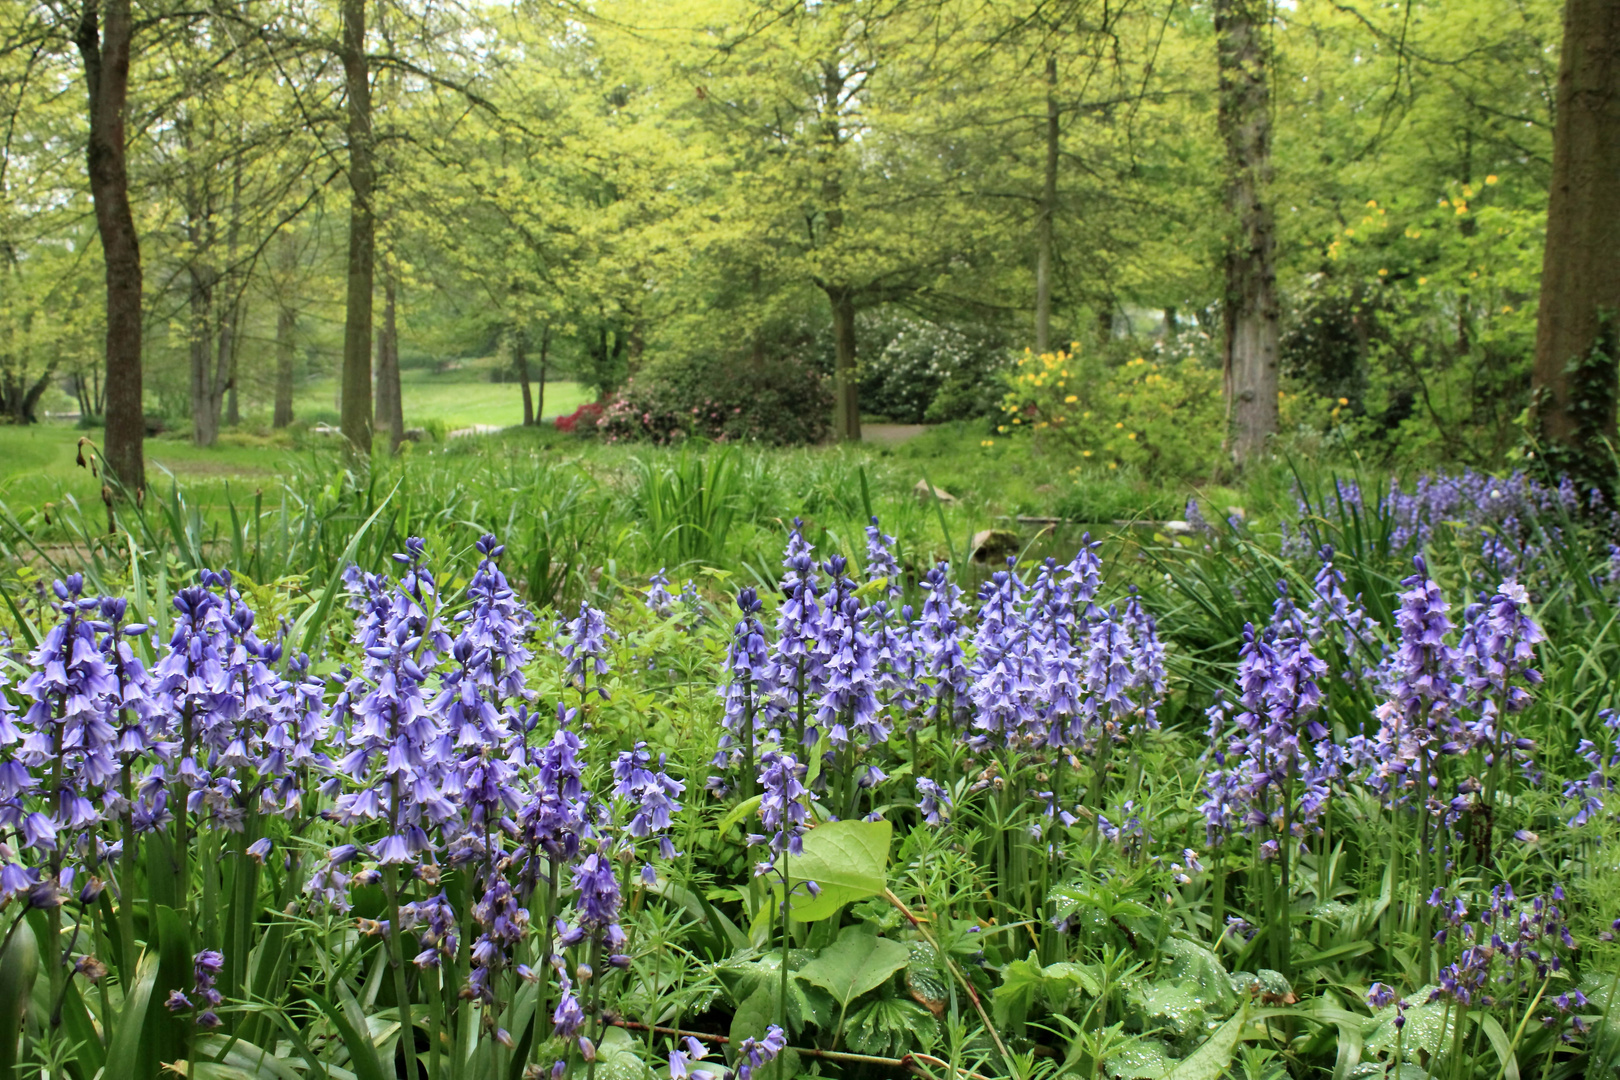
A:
[657,598]
[585,651]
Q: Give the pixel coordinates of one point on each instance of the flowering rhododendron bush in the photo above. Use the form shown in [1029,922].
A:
[1187,810]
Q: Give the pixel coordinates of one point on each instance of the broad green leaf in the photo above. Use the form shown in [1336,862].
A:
[1502,1045]
[848,860]
[855,963]
[123,1052]
[891,1026]
[1428,1027]
[617,1057]
[1214,1054]
[1188,961]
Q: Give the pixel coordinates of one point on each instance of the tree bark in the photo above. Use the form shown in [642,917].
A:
[520,363]
[204,413]
[1574,377]
[1044,222]
[846,384]
[230,345]
[390,402]
[1251,308]
[105,51]
[356,381]
[545,356]
[286,327]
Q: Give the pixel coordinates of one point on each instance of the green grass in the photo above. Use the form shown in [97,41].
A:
[458,398]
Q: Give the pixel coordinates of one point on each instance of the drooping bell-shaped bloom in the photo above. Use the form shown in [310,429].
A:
[585,648]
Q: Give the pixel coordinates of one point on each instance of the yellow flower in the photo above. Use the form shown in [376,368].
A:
[1017,420]
[1113,464]
[1085,453]
[1490,179]
[1002,428]
[1131,436]
[1383,273]
[1423,281]
[1372,202]
[1468,191]
[1070,400]
[1462,208]
[1349,232]
[1120,424]
[988,442]
[1344,401]
[1507,309]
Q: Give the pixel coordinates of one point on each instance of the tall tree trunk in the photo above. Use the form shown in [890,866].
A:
[846,382]
[105,51]
[230,347]
[286,328]
[356,381]
[390,403]
[1251,307]
[545,357]
[1044,222]
[846,385]
[1578,323]
[520,363]
[230,312]
[204,414]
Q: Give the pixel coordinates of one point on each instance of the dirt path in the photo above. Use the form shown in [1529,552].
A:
[891,434]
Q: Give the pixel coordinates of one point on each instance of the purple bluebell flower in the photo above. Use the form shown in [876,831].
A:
[585,651]
[748,689]
[783,807]
[657,598]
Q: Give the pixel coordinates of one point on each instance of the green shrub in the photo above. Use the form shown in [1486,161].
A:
[776,402]
[1157,412]
[931,372]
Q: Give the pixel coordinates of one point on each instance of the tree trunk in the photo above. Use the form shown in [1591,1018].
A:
[545,355]
[1578,323]
[356,381]
[230,312]
[846,384]
[204,413]
[105,51]
[1044,222]
[1251,307]
[229,348]
[390,403]
[520,362]
[286,327]
[35,392]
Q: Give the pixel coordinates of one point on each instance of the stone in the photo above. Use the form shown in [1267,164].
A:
[922,492]
[994,545]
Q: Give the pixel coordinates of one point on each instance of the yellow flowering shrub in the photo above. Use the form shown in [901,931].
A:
[1159,414]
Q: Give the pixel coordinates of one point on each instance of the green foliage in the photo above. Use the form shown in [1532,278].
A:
[1160,415]
[774,402]
[1420,326]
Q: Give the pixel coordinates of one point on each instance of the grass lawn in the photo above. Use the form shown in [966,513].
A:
[456,399]
[37,463]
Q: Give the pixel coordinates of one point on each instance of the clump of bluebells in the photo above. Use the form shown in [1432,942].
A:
[456,784]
